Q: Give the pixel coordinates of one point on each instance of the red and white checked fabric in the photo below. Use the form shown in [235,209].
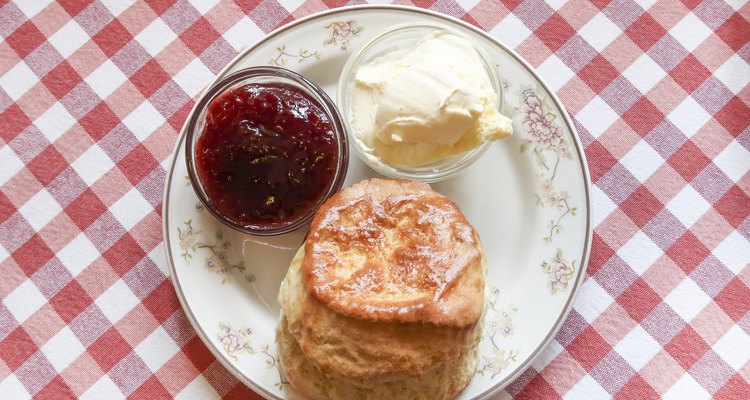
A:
[93,94]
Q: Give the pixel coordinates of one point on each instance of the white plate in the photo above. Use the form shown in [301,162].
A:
[527,197]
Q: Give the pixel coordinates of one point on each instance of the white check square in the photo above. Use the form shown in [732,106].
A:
[194,77]
[62,349]
[131,209]
[640,252]
[637,348]
[734,347]
[644,73]
[734,252]
[642,160]
[24,301]
[55,122]
[597,116]
[78,254]
[10,164]
[599,32]
[40,209]
[105,79]
[156,36]
[198,388]
[511,31]
[18,80]
[690,31]
[144,120]
[116,301]
[689,117]
[69,38]
[92,164]
[157,349]
[592,300]
[555,72]
[688,206]
[686,388]
[687,299]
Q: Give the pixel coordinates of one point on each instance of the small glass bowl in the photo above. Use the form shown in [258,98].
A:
[260,75]
[395,38]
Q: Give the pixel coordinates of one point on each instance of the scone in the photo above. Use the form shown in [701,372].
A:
[384,299]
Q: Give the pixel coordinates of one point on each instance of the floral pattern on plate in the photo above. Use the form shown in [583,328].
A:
[545,138]
[217,260]
[560,272]
[341,33]
[498,324]
[283,56]
[237,341]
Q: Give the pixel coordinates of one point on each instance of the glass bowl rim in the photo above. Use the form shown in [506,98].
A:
[463,160]
[284,75]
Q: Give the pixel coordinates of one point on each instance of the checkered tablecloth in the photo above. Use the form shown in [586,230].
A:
[93,95]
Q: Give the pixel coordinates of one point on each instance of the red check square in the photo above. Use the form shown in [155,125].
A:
[641,206]
[687,347]
[151,389]
[690,73]
[56,389]
[71,301]
[85,209]
[598,73]
[688,160]
[600,160]
[636,388]
[734,299]
[643,116]
[734,116]
[6,208]
[639,300]
[199,36]
[198,353]
[688,252]
[25,39]
[14,121]
[555,32]
[589,348]
[149,78]
[33,254]
[73,7]
[112,37]
[645,31]
[47,165]
[162,302]
[735,31]
[600,254]
[124,254]
[137,164]
[61,79]
[735,388]
[99,121]
[538,388]
[16,348]
[109,349]
[734,206]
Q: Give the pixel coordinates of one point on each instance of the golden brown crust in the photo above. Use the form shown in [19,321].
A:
[441,381]
[395,251]
[363,351]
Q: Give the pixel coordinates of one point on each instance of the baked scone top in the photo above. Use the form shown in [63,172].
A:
[395,251]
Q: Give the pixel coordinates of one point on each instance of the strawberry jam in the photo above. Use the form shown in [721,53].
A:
[267,155]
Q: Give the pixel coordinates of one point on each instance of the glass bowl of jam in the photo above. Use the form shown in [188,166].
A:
[265,148]
[392,95]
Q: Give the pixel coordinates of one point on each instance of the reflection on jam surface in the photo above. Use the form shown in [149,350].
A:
[267,154]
